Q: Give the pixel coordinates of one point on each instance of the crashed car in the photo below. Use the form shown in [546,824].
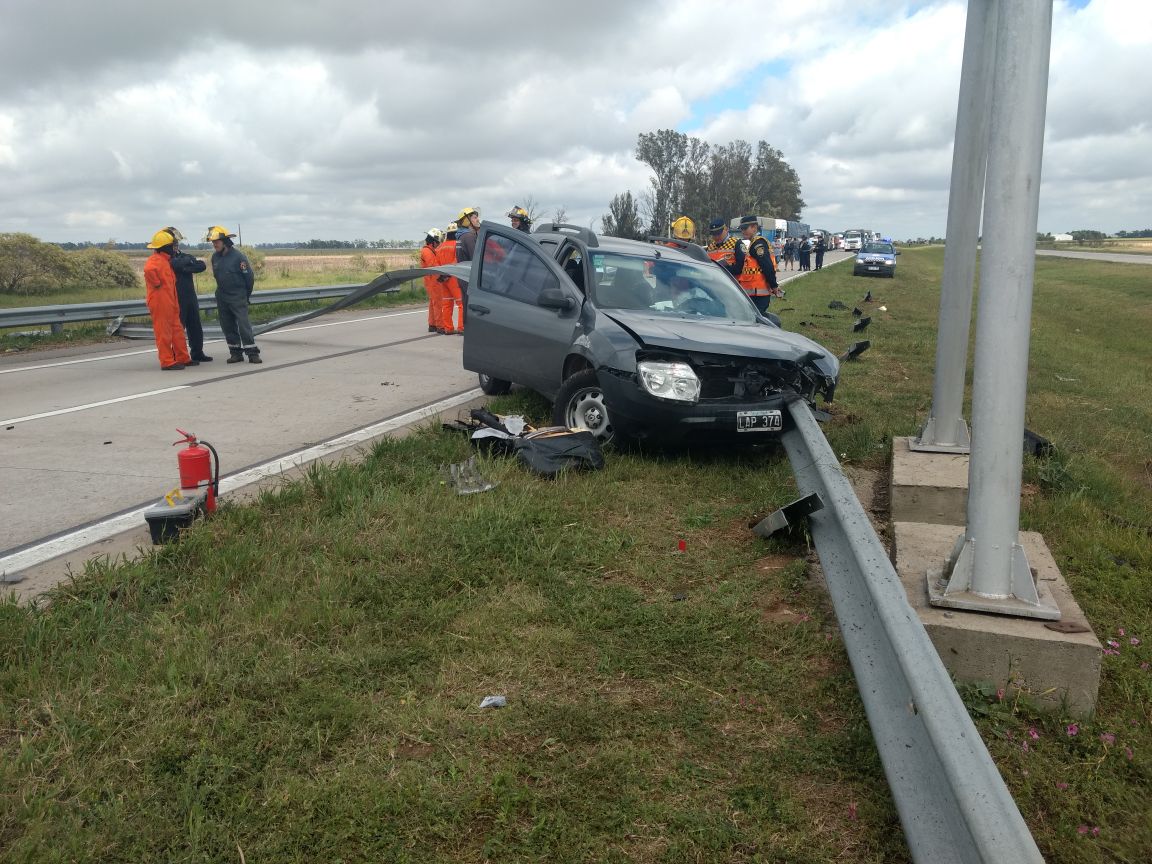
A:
[631,339]
[875,259]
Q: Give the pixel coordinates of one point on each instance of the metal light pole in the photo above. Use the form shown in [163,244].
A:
[946,431]
[988,570]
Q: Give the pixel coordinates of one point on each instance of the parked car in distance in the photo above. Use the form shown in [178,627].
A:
[633,339]
[875,259]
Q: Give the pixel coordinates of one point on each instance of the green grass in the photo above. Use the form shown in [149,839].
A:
[298,680]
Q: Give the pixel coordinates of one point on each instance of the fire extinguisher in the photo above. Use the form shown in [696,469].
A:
[196,467]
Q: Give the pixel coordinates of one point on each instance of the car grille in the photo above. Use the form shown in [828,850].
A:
[749,381]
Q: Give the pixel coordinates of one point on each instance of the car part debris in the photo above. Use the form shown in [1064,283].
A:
[868,297]
[883,308]
[1037,445]
[466,478]
[855,350]
[857,311]
[861,324]
[836,304]
[789,515]
[494,702]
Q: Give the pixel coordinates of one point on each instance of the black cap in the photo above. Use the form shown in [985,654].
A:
[749,220]
[716,225]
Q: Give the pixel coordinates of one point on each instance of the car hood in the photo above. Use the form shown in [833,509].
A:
[761,341]
[875,256]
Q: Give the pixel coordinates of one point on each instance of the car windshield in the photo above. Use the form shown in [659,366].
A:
[680,288]
[878,248]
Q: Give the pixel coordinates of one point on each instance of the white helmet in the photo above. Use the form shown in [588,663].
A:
[436,234]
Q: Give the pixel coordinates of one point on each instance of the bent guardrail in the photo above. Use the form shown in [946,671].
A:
[952,801]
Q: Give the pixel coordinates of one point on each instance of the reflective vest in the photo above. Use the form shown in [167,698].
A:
[724,253]
[751,278]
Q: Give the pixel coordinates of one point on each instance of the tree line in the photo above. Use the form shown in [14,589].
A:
[691,177]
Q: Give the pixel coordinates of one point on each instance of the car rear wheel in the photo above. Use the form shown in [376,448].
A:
[494,386]
[580,405]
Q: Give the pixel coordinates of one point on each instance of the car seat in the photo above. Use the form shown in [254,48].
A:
[629,290]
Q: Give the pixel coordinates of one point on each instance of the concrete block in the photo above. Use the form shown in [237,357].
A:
[1058,671]
[928,487]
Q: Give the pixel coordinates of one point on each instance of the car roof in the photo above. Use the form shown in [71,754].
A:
[666,248]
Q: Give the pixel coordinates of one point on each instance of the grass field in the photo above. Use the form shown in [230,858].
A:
[299,679]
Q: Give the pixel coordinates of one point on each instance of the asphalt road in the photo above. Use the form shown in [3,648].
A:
[1118,257]
[87,432]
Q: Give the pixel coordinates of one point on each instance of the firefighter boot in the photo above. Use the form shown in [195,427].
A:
[235,355]
[254,355]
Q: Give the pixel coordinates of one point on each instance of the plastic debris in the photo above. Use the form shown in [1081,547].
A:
[836,304]
[883,308]
[789,515]
[855,350]
[494,702]
[466,479]
[861,324]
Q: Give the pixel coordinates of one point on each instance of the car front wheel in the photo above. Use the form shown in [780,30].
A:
[494,386]
[580,405]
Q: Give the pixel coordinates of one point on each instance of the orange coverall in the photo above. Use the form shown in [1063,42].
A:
[434,288]
[446,254]
[160,294]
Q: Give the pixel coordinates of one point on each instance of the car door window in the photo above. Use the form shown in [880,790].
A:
[572,263]
[511,269]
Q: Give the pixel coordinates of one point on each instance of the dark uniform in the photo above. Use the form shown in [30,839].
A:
[234,283]
[184,266]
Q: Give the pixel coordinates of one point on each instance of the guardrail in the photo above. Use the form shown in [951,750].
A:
[951,799]
[72,313]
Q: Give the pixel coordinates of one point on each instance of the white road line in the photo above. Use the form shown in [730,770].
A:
[57,413]
[82,537]
[207,342]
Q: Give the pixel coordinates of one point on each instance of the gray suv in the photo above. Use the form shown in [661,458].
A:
[631,339]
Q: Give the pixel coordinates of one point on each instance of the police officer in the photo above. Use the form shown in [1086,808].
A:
[758,277]
[185,266]
[725,249]
[234,283]
[521,221]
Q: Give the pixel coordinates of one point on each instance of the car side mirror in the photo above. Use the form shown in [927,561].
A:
[554,298]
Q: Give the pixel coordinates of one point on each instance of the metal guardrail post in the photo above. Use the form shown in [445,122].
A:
[952,801]
[946,431]
[988,570]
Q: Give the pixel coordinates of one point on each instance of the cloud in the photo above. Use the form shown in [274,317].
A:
[356,121]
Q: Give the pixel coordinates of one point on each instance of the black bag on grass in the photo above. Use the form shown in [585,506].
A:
[550,451]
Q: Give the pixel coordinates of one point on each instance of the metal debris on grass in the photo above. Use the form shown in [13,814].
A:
[466,478]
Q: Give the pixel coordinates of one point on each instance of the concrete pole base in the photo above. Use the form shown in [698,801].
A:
[933,440]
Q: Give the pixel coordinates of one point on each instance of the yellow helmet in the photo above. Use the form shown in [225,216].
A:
[160,239]
[466,212]
[519,213]
[684,228]
[217,232]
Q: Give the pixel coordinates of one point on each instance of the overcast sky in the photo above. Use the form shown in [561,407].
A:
[379,120]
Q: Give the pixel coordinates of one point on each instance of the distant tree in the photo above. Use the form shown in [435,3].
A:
[29,266]
[561,214]
[664,151]
[731,191]
[1043,237]
[775,185]
[532,206]
[622,218]
[1085,235]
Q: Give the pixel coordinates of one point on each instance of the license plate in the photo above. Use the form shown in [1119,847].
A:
[759,421]
[873,268]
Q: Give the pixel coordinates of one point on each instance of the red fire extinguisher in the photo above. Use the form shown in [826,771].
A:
[196,467]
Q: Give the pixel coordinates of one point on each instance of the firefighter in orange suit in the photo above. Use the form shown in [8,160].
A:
[433,287]
[160,288]
[446,254]
[724,248]
[758,278]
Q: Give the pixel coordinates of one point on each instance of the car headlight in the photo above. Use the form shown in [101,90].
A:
[669,380]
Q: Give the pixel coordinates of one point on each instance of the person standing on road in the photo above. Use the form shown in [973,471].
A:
[433,286]
[725,249]
[446,254]
[758,277]
[466,234]
[521,221]
[804,250]
[234,283]
[160,295]
[789,261]
[185,266]
[821,247]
